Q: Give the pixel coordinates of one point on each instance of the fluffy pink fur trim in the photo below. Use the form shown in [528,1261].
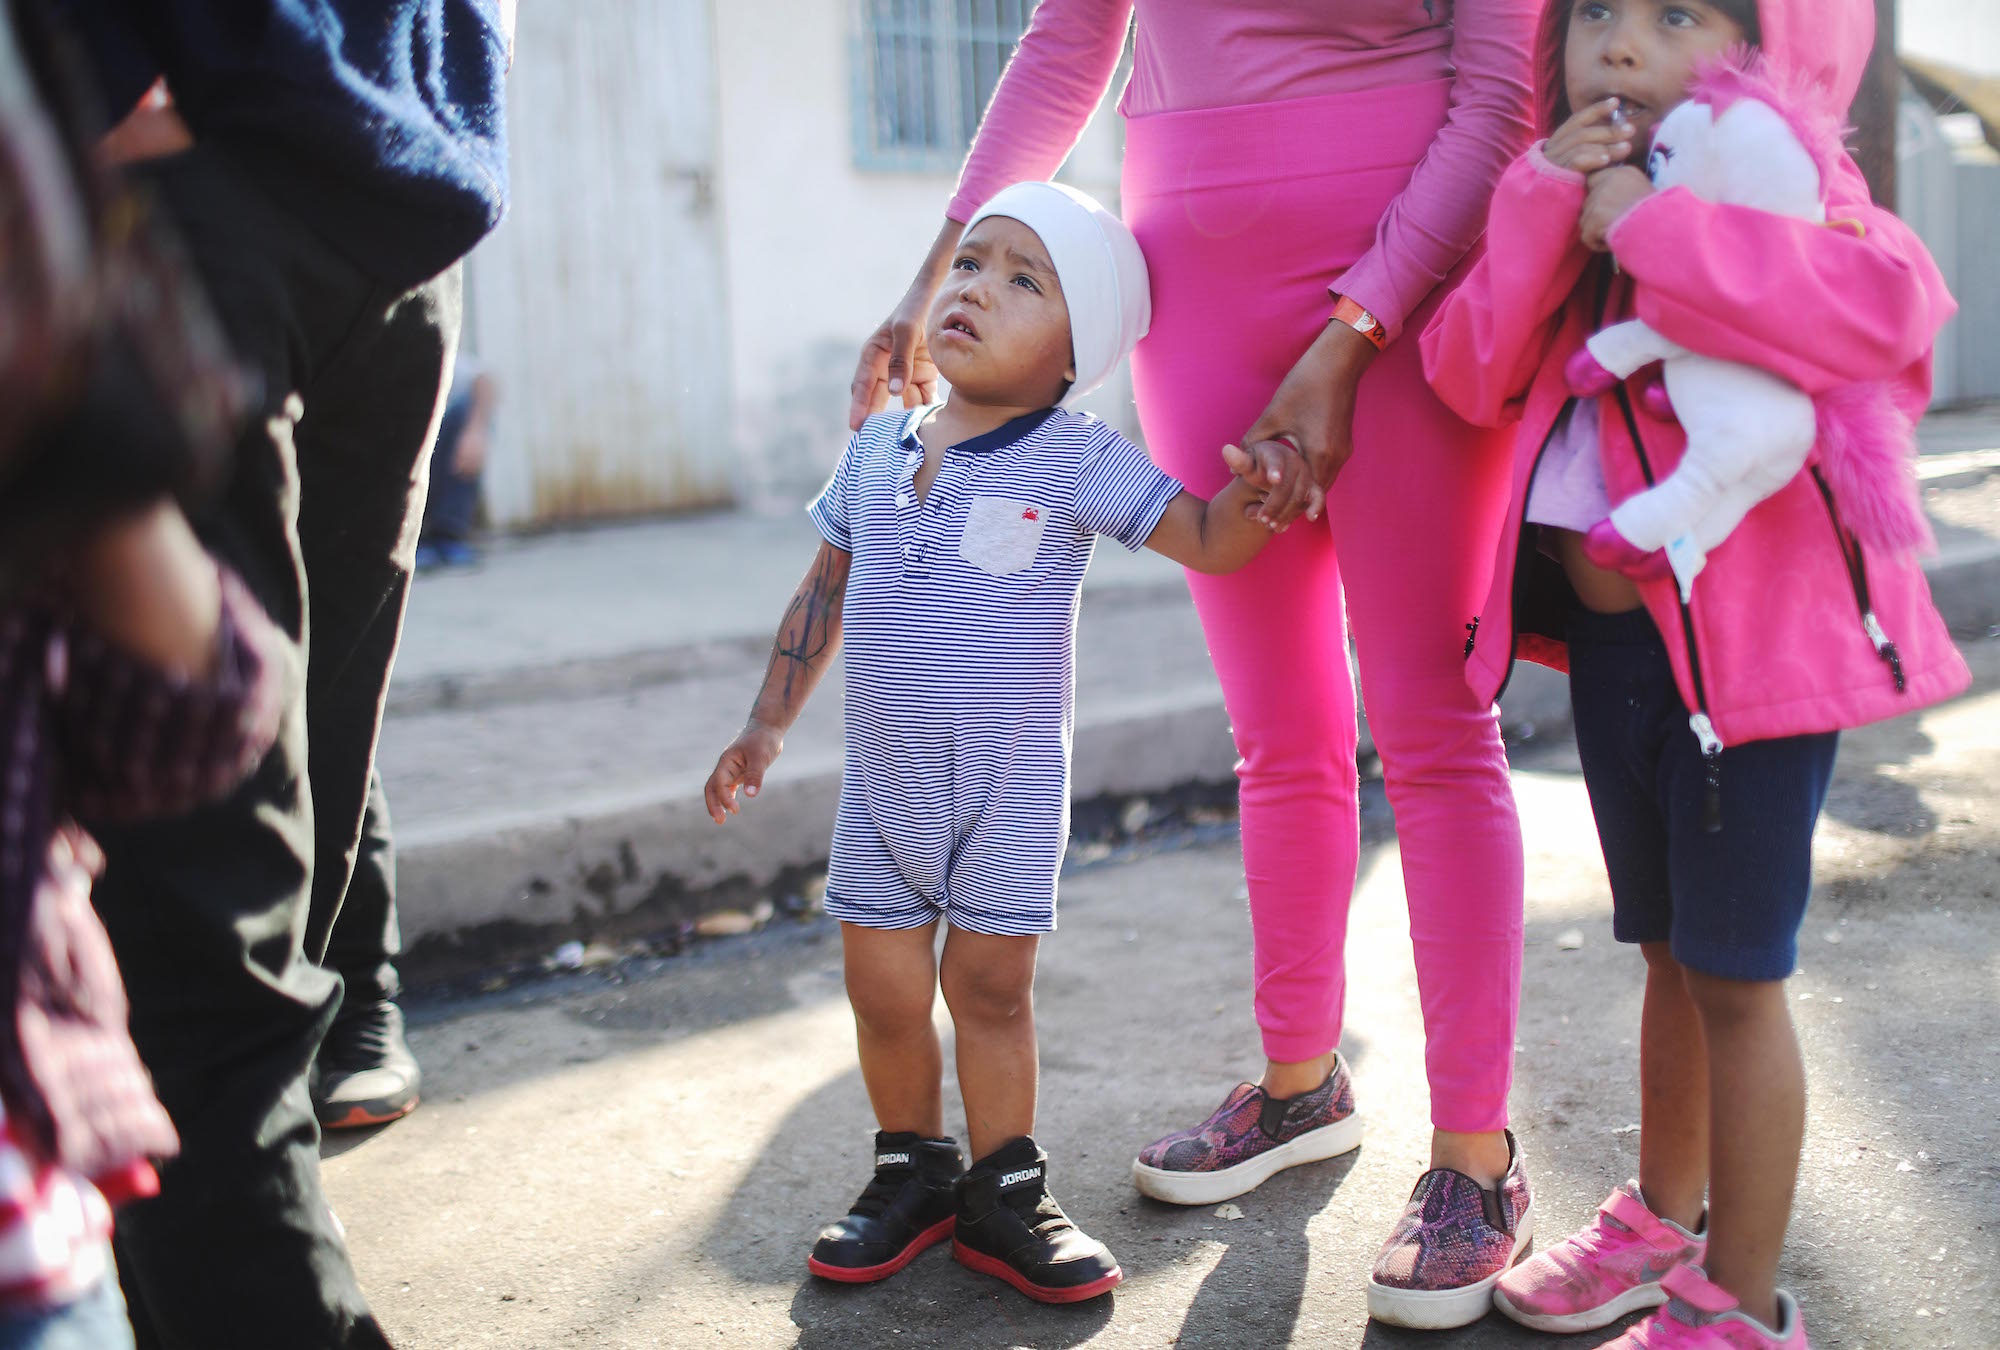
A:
[1865,449]
[1742,72]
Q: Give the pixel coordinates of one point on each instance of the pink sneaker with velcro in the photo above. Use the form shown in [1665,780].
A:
[1701,1315]
[1612,1268]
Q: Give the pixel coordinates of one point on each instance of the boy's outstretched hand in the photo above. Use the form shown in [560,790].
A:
[1279,474]
[742,765]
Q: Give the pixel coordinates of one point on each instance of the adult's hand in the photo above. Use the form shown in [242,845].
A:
[1314,410]
[896,360]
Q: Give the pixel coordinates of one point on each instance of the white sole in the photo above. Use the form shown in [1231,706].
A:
[1440,1309]
[1212,1188]
[1636,1299]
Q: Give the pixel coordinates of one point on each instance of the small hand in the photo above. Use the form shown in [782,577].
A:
[1278,473]
[1597,137]
[1313,411]
[1609,195]
[742,765]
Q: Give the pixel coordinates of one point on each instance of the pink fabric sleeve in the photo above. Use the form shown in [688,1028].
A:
[1428,229]
[1810,303]
[1494,331]
[1045,98]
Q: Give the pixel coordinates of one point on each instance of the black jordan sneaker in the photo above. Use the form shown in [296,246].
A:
[1010,1227]
[906,1208]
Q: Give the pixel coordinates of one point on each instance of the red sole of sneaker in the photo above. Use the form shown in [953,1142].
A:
[994,1266]
[361,1117]
[919,1244]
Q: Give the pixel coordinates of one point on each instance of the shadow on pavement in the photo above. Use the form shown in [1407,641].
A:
[1255,1293]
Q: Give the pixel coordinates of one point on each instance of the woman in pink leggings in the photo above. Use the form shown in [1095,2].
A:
[1307,178]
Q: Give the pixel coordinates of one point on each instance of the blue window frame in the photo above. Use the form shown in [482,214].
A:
[924,71]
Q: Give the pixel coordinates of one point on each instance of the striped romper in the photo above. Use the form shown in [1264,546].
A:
[959,631]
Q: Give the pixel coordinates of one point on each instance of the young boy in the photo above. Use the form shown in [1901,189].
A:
[956,539]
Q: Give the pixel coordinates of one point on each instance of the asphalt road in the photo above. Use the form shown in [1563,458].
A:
[639,1155]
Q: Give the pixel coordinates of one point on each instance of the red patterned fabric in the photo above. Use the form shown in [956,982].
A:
[86,727]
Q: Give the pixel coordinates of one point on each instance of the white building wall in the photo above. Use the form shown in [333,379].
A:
[816,252]
[598,304]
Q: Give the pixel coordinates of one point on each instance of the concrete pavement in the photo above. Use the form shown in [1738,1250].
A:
[638,1155]
[555,712]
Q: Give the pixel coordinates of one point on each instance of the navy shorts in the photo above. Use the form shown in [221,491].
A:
[1729,903]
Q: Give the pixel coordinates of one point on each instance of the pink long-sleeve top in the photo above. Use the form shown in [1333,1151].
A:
[1205,54]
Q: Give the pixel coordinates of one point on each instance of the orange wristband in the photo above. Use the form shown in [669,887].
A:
[1346,310]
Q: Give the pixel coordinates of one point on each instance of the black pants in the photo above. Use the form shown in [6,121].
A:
[366,938]
[219,918]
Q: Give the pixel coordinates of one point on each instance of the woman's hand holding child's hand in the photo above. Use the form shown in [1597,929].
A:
[1595,138]
[1612,192]
[742,765]
[1285,484]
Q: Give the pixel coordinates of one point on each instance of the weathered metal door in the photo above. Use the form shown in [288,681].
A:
[599,301]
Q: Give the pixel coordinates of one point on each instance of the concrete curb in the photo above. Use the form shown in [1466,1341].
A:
[485,890]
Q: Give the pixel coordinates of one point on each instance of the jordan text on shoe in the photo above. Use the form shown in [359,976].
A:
[906,1207]
[1011,1228]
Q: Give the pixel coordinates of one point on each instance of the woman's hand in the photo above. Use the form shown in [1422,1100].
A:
[896,359]
[1314,411]
[1596,137]
[1611,193]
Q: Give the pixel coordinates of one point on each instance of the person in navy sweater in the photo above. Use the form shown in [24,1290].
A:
[326,164]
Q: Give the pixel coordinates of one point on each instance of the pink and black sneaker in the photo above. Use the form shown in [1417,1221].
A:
[1613,1267]
[1703,1316]
[1452,1245]
[1251,1137]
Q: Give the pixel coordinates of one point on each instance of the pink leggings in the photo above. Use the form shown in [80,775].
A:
[1245,214]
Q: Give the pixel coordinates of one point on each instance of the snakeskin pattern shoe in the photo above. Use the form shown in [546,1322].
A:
[1251,1137]
[1452,1245]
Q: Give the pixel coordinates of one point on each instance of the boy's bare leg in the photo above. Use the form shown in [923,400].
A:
[1673,1093]
[989,985]
[1757,1123]
[892,986]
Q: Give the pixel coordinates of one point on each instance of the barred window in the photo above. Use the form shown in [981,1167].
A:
[924,71]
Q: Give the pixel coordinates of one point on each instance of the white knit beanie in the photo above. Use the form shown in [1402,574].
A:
[1102,271]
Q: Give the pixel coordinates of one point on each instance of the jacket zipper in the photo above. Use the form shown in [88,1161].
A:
[1520,525]
[1698,721]
[1857,577]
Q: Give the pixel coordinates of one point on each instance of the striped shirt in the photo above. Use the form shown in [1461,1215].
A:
[959,631]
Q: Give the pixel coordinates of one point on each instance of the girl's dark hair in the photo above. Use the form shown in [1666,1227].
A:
[1555,102]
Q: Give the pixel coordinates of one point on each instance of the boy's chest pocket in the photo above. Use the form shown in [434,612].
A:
[1002,535]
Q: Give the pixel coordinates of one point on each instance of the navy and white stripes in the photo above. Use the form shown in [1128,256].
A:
[959,631]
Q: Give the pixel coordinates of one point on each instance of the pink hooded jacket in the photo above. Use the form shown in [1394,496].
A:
[1795,627]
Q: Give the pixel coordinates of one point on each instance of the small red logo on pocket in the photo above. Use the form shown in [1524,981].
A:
[1031,514]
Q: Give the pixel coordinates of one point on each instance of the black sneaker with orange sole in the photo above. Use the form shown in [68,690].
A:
[365,1074]
[1011,1228]
[906,1207]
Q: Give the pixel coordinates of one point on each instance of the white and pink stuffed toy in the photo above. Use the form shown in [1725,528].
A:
[1744,139]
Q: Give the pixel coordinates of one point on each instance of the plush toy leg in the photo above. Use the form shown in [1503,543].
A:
[1615,354]
[1658,403]
[1612,551]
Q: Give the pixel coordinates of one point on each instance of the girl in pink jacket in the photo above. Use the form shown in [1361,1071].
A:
[1706,727]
